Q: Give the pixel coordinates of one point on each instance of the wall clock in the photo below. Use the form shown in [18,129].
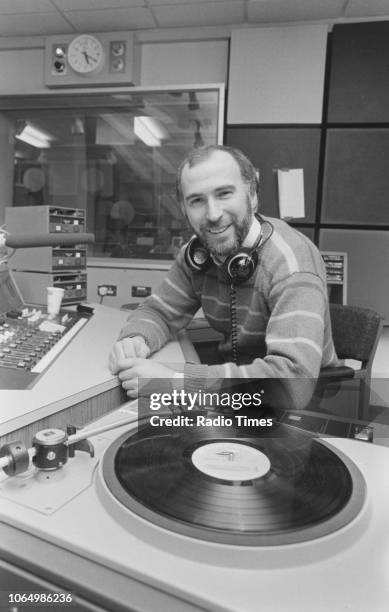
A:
[85,60]
[86,54]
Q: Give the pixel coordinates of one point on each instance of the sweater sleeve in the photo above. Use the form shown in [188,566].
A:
[167,310]
[294,341]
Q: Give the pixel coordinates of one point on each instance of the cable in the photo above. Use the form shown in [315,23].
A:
[234,323]
[102,292]
[233,311]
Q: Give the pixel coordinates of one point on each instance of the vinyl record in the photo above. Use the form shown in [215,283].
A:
[234,485]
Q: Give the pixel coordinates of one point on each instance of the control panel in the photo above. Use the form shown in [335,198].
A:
[30,341]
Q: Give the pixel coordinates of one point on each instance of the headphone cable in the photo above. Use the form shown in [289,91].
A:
[233,310]
[234,323]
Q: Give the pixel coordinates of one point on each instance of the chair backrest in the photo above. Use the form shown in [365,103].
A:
[355,331]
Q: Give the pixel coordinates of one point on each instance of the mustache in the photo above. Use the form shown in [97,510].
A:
[214,226]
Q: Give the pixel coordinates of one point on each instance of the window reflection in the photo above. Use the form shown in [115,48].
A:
[114,155]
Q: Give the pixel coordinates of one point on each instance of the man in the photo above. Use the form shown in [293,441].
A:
[275,321]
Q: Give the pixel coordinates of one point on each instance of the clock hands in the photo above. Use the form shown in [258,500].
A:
[88,57]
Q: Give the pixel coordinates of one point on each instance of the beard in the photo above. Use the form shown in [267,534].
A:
[223,246]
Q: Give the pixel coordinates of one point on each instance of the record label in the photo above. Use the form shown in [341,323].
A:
[230,461]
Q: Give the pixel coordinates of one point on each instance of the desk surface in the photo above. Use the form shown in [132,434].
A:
[80,372]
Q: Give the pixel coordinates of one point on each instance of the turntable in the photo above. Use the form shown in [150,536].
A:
[215,518]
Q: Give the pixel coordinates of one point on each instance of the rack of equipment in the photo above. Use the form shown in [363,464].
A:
[61,265]
[336,273]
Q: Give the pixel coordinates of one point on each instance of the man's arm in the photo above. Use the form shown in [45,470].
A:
[169,309]
[152,324]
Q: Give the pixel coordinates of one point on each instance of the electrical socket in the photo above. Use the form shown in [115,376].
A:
[140,291]
[110,290]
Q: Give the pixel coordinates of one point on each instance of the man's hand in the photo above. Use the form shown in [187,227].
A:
[128,347]
[131,370]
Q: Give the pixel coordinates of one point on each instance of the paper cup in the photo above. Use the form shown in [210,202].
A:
[54,300]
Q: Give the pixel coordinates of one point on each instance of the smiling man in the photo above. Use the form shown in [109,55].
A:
[217,204]
[259,282]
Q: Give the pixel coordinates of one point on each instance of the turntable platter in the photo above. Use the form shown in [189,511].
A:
[235,487]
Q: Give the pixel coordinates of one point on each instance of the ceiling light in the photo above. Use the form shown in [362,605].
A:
[150,130]
[35,137]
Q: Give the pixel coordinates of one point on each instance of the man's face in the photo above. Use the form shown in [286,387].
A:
[217,203]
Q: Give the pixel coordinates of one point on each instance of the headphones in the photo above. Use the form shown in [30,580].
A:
[237,268]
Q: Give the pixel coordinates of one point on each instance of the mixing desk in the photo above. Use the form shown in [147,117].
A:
[30,341]
[30,338]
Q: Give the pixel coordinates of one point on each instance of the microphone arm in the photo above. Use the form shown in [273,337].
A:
[23,241]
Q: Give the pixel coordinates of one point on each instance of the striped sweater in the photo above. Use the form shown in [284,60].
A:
[283,321]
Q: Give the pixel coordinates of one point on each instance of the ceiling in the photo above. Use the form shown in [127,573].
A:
[47,17]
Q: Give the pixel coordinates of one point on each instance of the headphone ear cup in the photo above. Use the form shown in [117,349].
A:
[241,266]
[197,256]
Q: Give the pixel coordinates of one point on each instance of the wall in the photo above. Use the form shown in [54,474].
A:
[180,63]
[125,278]
[163,62]
[21,71]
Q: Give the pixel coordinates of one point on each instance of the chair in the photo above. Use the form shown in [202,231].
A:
[356,332]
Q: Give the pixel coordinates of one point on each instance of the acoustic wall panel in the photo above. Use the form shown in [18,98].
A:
[368,271]
[277,74]
[274,148]
[356,177]
[358,90]
[309,232]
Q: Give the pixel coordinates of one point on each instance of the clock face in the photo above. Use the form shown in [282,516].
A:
[85,54]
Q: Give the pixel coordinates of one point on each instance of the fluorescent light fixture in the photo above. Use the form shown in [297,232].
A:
[150,130]
[35,136]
